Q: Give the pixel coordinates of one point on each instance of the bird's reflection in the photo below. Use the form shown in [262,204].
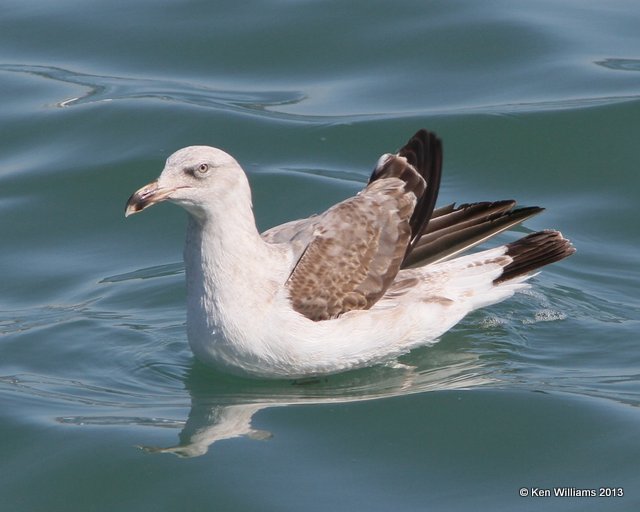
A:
[208,423]
[223,407]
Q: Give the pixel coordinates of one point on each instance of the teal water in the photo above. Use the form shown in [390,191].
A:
[539,101]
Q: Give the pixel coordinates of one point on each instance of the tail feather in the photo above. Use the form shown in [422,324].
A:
[534,251]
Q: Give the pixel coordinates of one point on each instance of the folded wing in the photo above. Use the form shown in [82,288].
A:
[358,246]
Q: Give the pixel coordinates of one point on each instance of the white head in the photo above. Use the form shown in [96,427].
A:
[198,178]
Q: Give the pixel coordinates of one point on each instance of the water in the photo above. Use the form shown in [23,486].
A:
[534,100]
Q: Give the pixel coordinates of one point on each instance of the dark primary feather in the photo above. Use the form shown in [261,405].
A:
[423,153]
[454,230]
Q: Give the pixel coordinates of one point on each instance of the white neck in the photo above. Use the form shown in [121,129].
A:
[228,269]
[224,246]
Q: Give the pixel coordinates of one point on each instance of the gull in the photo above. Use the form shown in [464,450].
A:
[368,280]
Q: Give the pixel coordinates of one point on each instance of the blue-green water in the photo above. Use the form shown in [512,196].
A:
[539,101]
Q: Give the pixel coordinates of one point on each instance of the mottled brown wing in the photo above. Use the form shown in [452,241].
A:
[356,252]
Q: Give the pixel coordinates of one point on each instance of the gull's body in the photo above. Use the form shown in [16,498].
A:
[335,291]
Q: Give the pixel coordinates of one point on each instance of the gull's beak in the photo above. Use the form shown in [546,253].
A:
[147,196]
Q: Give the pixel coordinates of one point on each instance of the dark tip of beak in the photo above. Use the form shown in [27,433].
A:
[142,198]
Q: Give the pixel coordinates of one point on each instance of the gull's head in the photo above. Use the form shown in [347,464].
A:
[195,178]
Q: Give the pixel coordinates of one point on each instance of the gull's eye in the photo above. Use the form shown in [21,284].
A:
[202,169]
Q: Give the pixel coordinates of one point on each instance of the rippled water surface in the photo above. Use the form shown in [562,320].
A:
[539,101]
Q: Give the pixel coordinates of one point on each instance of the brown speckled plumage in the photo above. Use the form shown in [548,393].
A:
[356,252]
